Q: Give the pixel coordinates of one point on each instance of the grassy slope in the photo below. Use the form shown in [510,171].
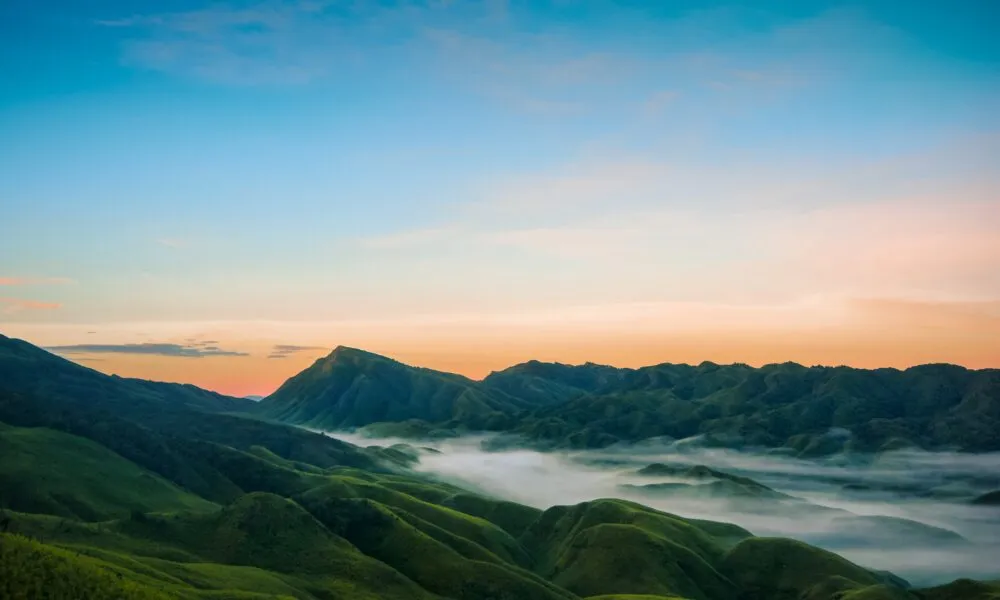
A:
[593,406]
[776,569]
[786,404]
[164,428]
[351,388]
[29,569]
[315,526]
[337,541]
[612,546]
[962,589]
[51,472]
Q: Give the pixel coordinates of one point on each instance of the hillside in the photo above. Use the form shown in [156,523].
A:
[29,370]
[811,410]
[110,490]
[351,388]
[173,431]
[57,473]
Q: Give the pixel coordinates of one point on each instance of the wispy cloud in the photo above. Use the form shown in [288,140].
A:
[918,226]
[266,43]
[10,306]
[174,350]
[285,350]
[35,280]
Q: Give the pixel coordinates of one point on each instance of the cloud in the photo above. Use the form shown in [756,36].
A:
[35,280]
[285,350]
[255,45]
[545,479]
[175,350]
[259,43]
[15,305]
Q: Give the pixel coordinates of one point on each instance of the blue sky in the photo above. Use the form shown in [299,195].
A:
[175,166]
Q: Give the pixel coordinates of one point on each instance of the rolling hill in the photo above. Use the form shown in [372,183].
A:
[811,410]
[114,488]
[352,388]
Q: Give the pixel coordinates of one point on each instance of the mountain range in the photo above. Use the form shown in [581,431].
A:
[121,488]
[810,410]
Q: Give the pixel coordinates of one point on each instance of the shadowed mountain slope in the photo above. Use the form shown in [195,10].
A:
[351,388]
[168,429]
[111,491]
[813,410]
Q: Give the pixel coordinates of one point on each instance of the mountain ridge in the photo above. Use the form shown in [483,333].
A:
[193,503]
[592,405]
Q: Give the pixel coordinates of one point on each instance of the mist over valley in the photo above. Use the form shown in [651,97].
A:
[910,512]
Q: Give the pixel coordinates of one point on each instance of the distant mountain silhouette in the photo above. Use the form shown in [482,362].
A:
[812,410]
[351,388]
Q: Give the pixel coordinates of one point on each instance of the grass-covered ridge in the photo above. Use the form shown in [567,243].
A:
[51,472]
[127,490]
[811,410]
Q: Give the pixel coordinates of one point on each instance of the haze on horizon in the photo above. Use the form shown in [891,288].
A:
[219,193]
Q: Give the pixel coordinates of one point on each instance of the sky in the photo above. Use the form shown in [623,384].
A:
[219,193]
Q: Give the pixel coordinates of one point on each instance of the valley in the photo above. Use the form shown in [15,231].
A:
[121,488]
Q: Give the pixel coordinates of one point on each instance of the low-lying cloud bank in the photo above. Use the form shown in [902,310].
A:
[909,512]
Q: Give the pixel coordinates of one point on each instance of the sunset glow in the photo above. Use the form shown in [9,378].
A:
[221,194]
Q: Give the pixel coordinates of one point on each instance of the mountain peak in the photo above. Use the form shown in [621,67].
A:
[348,351]
[352,355]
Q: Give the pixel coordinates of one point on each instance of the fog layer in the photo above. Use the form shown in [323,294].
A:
[908,512]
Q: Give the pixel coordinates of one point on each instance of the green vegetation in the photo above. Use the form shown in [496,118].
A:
[32,570]
[634,597]
[47,471]
[776,569]
[962,589]
[352,388]
[812,410]
[410,429]
[111,488]
[988,499]
[706,483]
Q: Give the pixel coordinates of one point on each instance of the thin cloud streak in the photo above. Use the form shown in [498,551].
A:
[172,350]
[280,351]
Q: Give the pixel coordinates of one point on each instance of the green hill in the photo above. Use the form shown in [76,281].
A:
[32,570]
[351,388]
[613,546]
[117,489]
[28,370]
[50,472]
[813,410]
[779,569]
[163,428]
